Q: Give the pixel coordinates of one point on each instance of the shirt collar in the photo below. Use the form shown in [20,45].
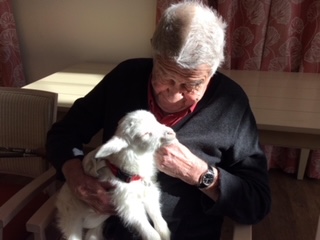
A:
[166,119]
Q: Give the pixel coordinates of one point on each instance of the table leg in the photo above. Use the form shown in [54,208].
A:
[304,155]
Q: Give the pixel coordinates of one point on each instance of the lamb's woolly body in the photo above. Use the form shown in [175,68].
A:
[131,149]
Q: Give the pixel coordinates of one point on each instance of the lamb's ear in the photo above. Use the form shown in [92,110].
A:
[114,145]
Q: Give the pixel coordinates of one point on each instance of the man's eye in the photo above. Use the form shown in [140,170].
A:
[192,86]
[165,81]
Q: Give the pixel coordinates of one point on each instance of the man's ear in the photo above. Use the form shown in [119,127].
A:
[114,145]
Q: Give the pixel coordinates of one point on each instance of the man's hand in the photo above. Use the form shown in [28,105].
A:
[87,188]
[176,160]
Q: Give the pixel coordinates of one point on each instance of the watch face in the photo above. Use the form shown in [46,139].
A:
[208,178]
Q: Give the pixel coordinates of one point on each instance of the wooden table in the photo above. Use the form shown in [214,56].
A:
[286,105]
[72,82]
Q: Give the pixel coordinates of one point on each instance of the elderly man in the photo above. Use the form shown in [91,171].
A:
[218,169]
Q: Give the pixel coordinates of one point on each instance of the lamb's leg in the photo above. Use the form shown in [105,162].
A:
[133,214]
[153,208]
[71,228]
[94,223]
[95,233]
[69,220]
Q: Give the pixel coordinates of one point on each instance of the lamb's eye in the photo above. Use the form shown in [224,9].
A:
[146,135]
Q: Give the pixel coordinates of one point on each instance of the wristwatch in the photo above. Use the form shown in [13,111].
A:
[207,178]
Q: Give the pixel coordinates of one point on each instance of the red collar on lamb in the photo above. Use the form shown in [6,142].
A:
[125,177]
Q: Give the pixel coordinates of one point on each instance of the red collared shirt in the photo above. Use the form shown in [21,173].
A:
[166,119]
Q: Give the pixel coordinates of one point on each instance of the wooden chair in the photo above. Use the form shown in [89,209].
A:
[318,230]
[25,117]
[42,224]
[242,232]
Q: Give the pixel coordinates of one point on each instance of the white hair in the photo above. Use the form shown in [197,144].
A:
[191,34]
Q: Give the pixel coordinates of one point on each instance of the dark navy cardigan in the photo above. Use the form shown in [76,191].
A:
[222,131]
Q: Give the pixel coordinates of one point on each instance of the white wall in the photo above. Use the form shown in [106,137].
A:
[56,33]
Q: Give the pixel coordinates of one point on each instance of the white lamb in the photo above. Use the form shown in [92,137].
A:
[130,152]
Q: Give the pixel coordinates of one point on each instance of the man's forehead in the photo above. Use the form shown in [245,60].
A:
[169,66]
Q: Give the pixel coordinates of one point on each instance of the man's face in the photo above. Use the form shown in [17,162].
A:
[176,89]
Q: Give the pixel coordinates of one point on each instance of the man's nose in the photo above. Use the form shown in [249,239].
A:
[174,97]
[175,93]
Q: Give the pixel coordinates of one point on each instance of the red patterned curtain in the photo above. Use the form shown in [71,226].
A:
[11,71]
[272,35]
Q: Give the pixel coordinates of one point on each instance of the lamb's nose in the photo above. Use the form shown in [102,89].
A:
[170,133]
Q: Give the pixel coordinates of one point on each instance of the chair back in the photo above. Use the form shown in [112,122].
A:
[25,117]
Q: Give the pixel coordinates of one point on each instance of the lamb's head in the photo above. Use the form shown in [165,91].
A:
[142,131]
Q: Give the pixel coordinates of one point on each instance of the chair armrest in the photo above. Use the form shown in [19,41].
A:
[40,220]
[13,206]
[242,232]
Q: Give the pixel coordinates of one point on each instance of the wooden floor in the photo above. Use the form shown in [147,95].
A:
[295,209]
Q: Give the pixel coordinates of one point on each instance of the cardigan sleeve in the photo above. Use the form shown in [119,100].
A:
[101,108]
[83,120]
[244,188]
[66,137]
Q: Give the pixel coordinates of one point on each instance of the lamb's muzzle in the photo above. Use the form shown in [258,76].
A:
[169,136]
